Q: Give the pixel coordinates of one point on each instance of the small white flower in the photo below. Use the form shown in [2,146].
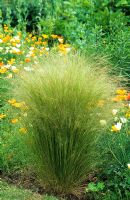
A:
[31,48]
[128,165]
[16,37]
[18,45]
[1,41]
[13,67]
[47,48]
[7,66]
[118,126]
[30,52]
[123,120]
[68,49]
[12,40]
[1,48]
[15,49]
[103,122]
[114,111]
[60,40]
[28,55]
[7,48]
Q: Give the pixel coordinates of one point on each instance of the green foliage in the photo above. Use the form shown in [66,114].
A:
[95,187]
[64,117]
[13,193]
[115,172]
[12,143]
[91,26]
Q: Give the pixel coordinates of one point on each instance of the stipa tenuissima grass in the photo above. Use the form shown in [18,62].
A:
[63,94]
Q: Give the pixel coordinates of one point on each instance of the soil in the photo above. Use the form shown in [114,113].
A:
[28,180]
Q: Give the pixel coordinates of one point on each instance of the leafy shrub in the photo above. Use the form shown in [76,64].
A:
[63,96]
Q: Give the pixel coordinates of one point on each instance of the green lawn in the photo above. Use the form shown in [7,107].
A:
[9,192]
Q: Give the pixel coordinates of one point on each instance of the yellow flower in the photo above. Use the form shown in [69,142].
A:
[21,105]
[12,61]
[54,36]
[23,130]
[120,97]
[30,35]
[127,115]
[3,70]
[27,60]
[2,116]
[12,101]
[17,105]
[121,92]
[45,36]
[14,121]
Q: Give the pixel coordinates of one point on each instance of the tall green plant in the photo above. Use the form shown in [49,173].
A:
[63,95]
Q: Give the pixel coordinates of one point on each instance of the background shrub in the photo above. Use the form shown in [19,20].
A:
[98,27]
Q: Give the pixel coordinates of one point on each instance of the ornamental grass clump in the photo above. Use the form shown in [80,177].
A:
[67,96]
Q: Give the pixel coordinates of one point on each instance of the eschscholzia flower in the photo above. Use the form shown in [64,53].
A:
[2,116]
[12,61]
[121,91]
[12,101]
[119,98]
[45,36]
[27,60]
[21,105]
[17,105]
[128,97]
[1,64]
[23,130]
[54,36]
[128,115]
[3,70]
[14,121]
